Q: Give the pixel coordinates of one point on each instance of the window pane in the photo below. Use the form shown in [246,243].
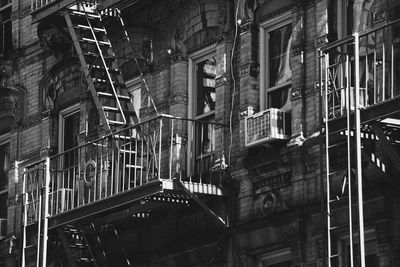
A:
[206,72]
[279,98]
[280,41]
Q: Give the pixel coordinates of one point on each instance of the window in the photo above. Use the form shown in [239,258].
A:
[343,249]
[348,16]
[4,168]
[135,92]
[275,68]
[5,27]
[202,99]
[280,258]
[68,138]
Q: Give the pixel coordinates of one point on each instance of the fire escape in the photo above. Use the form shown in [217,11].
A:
[73,199]
[360,122]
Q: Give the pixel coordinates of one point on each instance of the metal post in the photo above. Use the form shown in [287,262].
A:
[25,214]
[358,147]
[326,116]
[46,212]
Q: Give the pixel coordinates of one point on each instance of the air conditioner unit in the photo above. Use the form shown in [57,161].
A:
[3,228]
[267,126]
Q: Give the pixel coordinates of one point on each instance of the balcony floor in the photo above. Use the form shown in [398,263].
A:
[371,113]
[135,201]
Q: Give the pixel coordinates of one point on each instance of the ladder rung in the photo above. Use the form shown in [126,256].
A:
[337,199]
[89,14]
[334,256]
[336,172]
[92,41]
[337,144]
[334,228]
[116,122]
[85,27]
[122,97]
[106,108]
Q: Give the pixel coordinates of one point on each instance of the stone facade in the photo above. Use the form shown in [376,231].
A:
[276,203]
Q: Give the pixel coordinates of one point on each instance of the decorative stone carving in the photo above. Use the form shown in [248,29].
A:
[64,79]
[11,107]
[54,38]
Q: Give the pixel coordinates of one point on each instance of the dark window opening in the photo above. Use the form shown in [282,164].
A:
[4,168]
[5,32]
[70,138]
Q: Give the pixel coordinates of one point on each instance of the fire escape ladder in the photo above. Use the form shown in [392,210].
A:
[100,66]
[341,171]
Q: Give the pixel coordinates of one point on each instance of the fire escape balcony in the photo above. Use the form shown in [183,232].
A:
[165,159]
[378,53]
[41,9]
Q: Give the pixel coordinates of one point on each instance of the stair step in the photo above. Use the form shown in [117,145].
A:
[103,81]
[96,55]
[109,95]
[124,137]
[114,70]
[92,41]
[79,245]
[84,260]
[85,27]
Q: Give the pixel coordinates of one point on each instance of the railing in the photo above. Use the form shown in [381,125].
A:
[163,148]
[39,4]
[378,53]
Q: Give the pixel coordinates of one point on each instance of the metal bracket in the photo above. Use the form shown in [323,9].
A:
[217,218]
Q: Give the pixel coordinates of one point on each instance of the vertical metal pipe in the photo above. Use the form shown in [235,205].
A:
[348,94]
[25,218]
[159,149]
[46,212]
[383,70]
[358,149]
[171,149]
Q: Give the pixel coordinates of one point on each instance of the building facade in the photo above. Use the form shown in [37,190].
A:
[199,133]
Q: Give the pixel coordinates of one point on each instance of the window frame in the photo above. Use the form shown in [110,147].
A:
[265,28]
[193,60]
[61,123]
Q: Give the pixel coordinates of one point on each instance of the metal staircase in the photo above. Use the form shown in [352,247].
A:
[87,246]
[99,63]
